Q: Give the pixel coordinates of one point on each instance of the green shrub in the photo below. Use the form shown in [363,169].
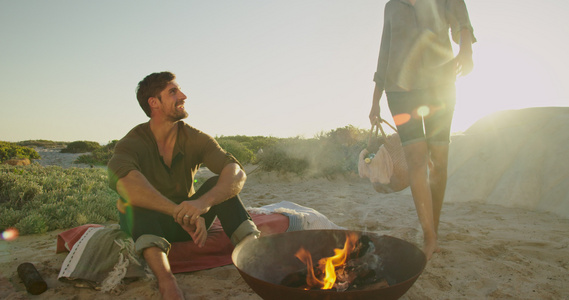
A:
[275,159]
[345,136]
[253,143]
[289,155]
[11,150]
[37,199]
[23,193]
[340,150]
[100,156]
[328,154]
[32,223]
[10,217]
[81,147]
[236,145]
[243,155]
[43,144]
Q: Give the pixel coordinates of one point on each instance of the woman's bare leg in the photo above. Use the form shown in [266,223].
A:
[417,156]
[438,180]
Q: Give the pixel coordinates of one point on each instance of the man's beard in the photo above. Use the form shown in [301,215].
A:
[178,115]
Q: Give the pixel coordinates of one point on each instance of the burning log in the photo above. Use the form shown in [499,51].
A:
[354,267]
[296,279]
[362,247]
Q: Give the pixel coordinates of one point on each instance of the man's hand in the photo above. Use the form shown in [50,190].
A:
[198,231]
[188,212]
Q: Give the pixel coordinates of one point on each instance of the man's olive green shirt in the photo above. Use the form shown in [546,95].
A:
[138,150]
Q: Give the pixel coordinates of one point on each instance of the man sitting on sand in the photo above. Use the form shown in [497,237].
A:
[153,169]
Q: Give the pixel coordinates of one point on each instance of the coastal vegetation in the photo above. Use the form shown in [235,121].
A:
[99,156]
[12,150]
[81,147]
[36,199]
[43,144]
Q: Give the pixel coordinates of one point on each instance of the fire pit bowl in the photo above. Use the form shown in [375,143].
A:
[263,263]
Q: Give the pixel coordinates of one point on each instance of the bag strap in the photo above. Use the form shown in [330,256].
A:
[372,133]
[374,141]
[377,124]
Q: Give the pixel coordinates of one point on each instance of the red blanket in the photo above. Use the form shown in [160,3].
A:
[186,256]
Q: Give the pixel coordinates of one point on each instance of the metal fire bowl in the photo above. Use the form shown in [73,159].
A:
[264,262]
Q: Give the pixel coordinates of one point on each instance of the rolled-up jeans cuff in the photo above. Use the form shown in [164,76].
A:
[246,228]
[150,240]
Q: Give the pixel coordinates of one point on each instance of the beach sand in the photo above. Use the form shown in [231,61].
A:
[488,251]
[511,250]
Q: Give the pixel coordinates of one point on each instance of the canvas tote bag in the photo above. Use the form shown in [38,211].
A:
[383,161]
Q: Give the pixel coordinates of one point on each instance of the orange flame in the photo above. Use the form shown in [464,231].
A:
[327,265]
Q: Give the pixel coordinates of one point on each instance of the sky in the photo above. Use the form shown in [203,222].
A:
[69,69]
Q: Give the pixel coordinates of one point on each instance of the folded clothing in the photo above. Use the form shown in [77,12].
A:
[300,217]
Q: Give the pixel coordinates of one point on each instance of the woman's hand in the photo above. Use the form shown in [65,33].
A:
[464,63]
[375,112]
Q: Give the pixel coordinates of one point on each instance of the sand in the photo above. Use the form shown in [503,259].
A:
[511,250]
[53,157]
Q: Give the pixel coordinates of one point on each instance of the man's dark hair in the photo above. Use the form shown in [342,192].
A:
[151,86]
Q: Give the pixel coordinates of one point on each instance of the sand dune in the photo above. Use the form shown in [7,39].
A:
[514,158]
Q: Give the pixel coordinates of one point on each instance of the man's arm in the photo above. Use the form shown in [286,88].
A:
[230,182]
[137,191]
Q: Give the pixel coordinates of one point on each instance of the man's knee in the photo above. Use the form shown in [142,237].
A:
[205,187]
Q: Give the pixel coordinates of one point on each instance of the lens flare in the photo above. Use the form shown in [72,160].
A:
[401,119]
[423,111]
[10,234]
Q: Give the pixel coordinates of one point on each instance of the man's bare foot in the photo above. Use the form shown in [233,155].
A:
[170,291]
[430,247]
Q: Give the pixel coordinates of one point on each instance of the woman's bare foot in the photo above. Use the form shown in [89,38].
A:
[429,247]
